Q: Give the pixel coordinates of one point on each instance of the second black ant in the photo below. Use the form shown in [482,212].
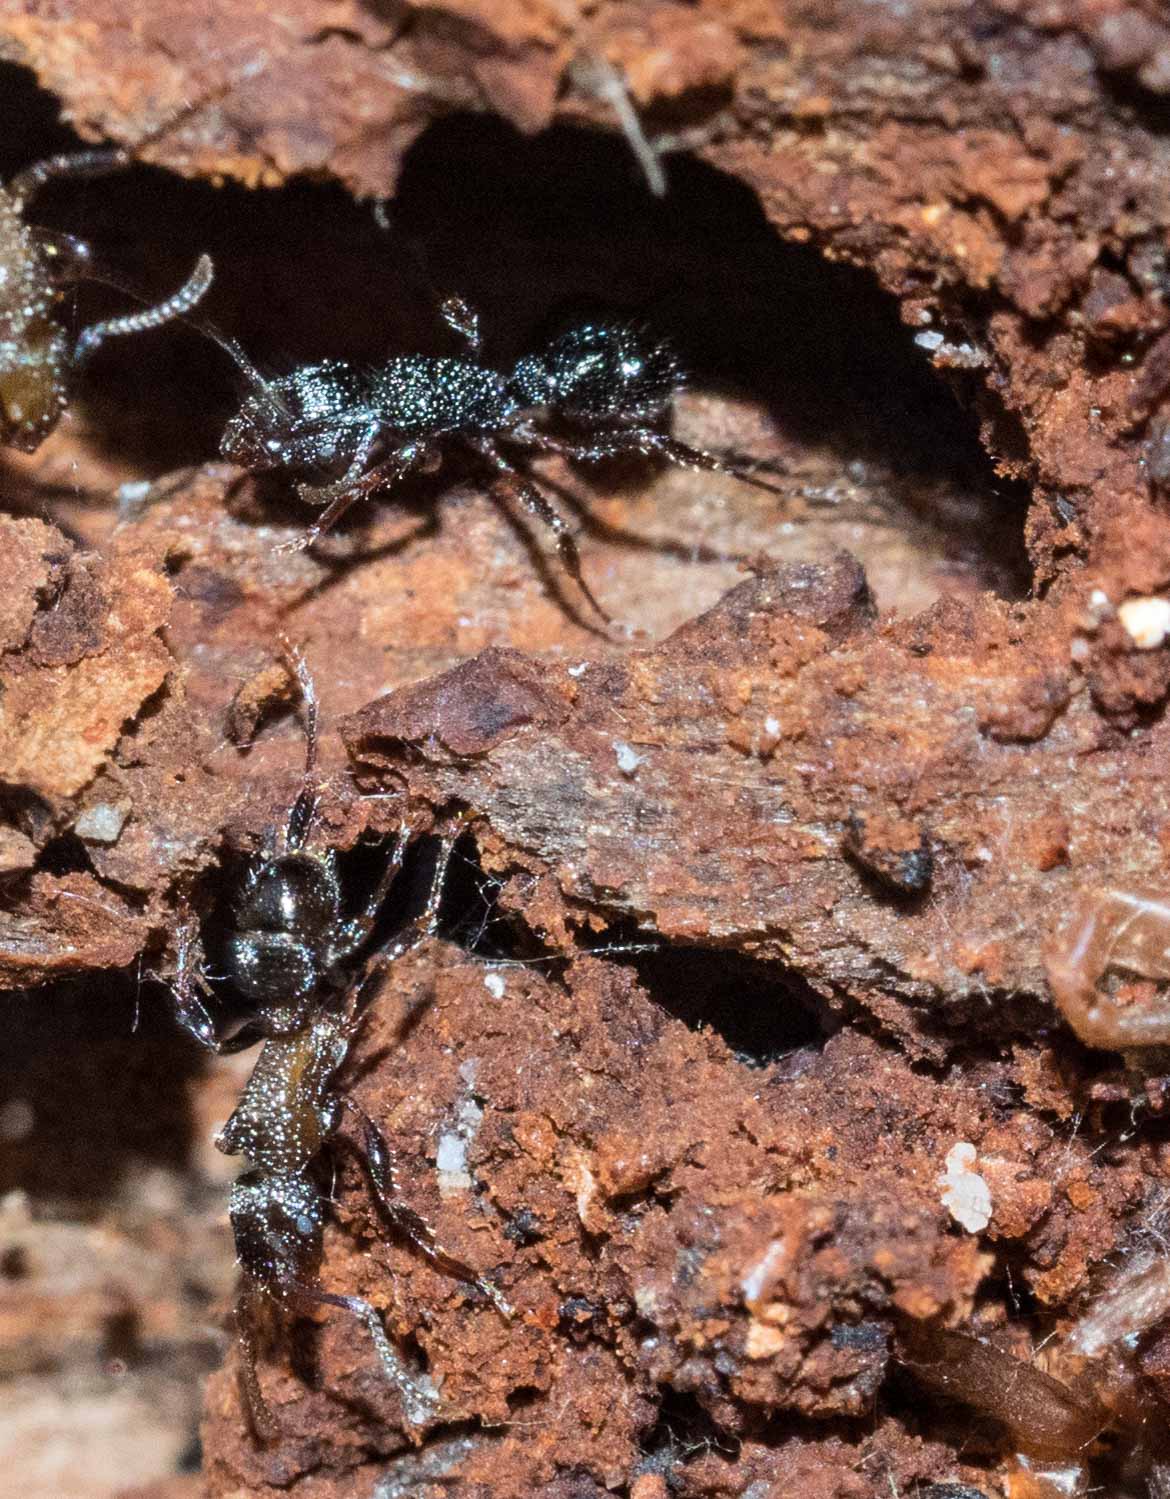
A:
[288,953]
[600,391]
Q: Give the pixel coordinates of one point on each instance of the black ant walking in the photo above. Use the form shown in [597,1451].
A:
[38,359]
[606,387]
[288,952]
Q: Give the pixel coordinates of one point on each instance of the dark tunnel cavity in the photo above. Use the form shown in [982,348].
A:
[533,231]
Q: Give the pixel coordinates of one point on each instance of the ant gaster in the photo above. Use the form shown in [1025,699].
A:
[286,953]
[38,358]
[606,386]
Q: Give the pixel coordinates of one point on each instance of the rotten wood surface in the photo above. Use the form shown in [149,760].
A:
[843,768]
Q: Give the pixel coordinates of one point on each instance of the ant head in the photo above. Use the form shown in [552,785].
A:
[601,372]
[296,421]
[283,919]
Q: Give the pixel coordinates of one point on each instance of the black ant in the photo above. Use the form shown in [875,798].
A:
[286,937]
[607,385]
[286,953]
[37,357]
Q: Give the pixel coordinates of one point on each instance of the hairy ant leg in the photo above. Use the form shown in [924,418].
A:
[190,991]
[646,442]
[412,935]
[357,929]
[377,1158]
[277,1219]
[539,507]
[354,485]
[420,1398]
[264,1423]
[375,1154]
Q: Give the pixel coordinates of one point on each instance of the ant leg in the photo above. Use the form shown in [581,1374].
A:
[536,505]
[352,486]
[358,928]
[259,1411]
[189,987]
[378,1161]
[420,1398]
[416,931]
[464,320]
[616,442]
[300,816]
[175,306]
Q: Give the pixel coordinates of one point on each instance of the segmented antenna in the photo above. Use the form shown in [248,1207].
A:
[192,291]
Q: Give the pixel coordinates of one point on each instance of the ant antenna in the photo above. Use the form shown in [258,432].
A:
[301,816]
[596,75]
[191,292]
[232,349]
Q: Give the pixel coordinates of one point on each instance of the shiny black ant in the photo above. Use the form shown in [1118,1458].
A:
[287,954]
[607,387]
[38,359]
[286,939]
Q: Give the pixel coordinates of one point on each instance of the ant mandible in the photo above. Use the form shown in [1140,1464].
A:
[287,952]
[37,357]
[607,385]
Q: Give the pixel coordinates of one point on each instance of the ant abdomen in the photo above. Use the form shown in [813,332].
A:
[601,372]
[33,345]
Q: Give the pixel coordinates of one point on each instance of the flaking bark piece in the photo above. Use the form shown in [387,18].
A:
[93,656]
[712,787]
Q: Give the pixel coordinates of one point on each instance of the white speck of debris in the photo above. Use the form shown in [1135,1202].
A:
[966,1196]
[451,1152]
[628,758]
[579,670]
[586,1184]
[1146,621]
[758,1280]
[1100,603]
[494,984]
[771,726]
[451,1160]
[101,823]
[950,355]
